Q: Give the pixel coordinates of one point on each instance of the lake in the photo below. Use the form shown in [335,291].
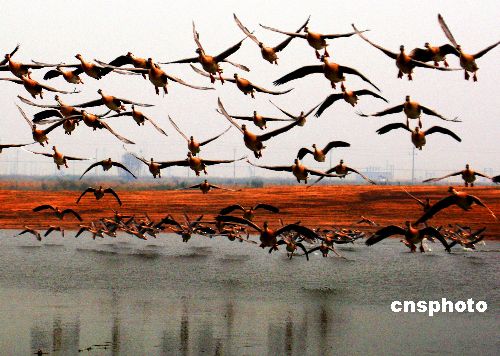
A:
[217,297]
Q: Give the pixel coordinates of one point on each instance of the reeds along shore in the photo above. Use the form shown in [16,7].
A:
[323,206]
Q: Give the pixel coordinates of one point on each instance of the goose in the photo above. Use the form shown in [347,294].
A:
[468,175]
[301,118]
[350,97]
[39,135]
[404,62]
[259,120]
[268,53]
[412,236]
[467,61]
[211,63]
[205,187]
[194,146]
[112,102]
[244,85]
[99,193]
[342,171]
[35,88]
[412,110]
[461,199]
[334,72]
[58,212]
[254,142]
[140,119]
[29,230]
[418,135]
[59,158]
[249,213]
[106,165]
[320,155]
[434,53]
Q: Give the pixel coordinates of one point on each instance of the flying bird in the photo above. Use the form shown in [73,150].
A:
[99,193]
[58,212]
[301,118]
[258,120]
[269,53]
[468,175]
[342,171]
[412,110]
[194,146]
[467,61]
[59,158]
[139,119]
[205,187]
[111,102]
[350,97]
[35,88]
[106,165]
[320,154]
[249,213]
[417,135]
[404,62]
[39,135]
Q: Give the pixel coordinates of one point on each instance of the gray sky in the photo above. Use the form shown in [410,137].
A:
[53,31]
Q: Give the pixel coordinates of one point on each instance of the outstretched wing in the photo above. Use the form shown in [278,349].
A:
[112,192]
[224,112]
[333,144]
[387,128]
[220,57]
[43,207]
[93,165]
[328,101]
[434,209]
[215,137]
[292,34]
[283,111]
[443,177]
[383,233]
[386,51]
[285,43]
[413,197]
[446,30]
[4,61]
[350,70]
[303,152]
[88,190]
[274,168]
[238,220]
[231,208]
[182,82]
[299,73]
[268,207]
[177,128]
[349,169]
[245,30]
[486,50]
[268,135]
[393,110]
[430,231]
[433,113]
[369,92]
[442,130]
[267,91]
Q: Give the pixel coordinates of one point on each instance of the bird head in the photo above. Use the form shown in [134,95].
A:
[99,91]
[78,56]
[129,54]
[314,145]
[407,98]
[401,48]
[235,75]
[306,29]
[244,127]
[7,56]
[198,50]
[261,44]
[341,161]
[427,45]
[466,166]
[191,138]
[255,113]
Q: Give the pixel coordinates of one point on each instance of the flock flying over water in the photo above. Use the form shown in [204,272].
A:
[60,115]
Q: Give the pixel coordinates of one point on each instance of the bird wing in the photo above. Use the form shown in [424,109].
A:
[245,30]
[88,190]
[430,231]
[482,175]
[29,102]
[177,128]
[93,165]
[383,233]
[112,192]
[122,166]
[285,43]
[210,162]
[303,152]
[302,230]
[446,30]
[413,197]
[433,113]
[350,70]
[46,87]
[180,81]
[442,130]
[42,116]
[223,55]
[182,163]
[71,211]
[292,34]
[389,127]
[299,73]
[268,207]
[268,135]
[196,37]
[349,169]
[215,137]
[201,72]
[14,145]
[120,61]
[267,91]
[238,220]
[486,50]
[89,104]
[333,144]
[369,92]
[224,112]
[155,125]
[394,110]
[121,70]
[283,111]
[322,174]
[25,117]
[14,80]
[43,207]
[386,51]
[51,74]
[496,179]
[440,205]
[121,138]
[126,101]
[421,54]
[4,61]
[274,168]
[480,203]
[328,101]
[231,208]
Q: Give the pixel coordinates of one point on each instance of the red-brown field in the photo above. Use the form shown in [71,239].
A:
[317,206]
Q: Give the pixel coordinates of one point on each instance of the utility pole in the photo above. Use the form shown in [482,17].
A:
[234,166]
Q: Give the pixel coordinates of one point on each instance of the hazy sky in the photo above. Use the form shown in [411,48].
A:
[54,31]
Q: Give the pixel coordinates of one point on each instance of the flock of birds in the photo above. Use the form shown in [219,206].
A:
[293,236]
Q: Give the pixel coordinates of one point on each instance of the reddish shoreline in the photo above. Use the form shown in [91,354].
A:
[317,206]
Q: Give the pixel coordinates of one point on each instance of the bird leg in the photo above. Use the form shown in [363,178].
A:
[445,63]
[157,91]
[409,76]
[466,184]
[326,53]
[220,76]
[317,54]
[251,94]
[342,87]
[413,248]
[400,74]
[466,76]
[474,77]
[436,64]
[334,86]
[422,247]
[65,164]
[419,122]
[165,90]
